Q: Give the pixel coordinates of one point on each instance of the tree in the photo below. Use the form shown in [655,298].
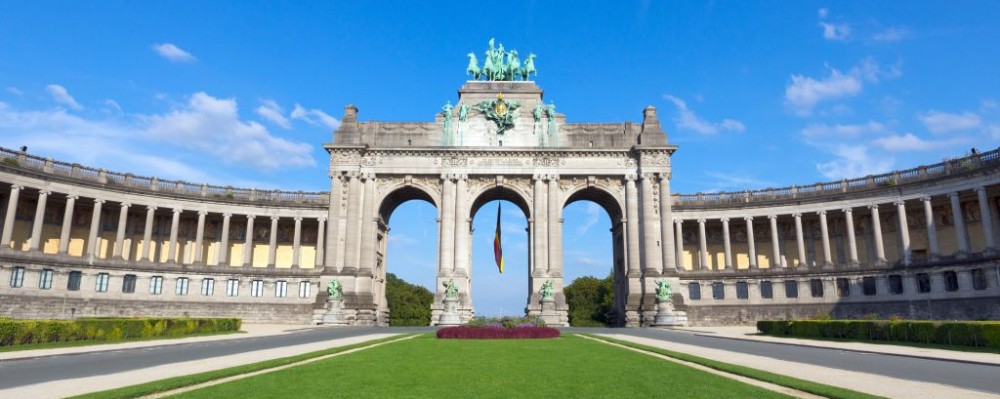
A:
[409,304]
[590,301]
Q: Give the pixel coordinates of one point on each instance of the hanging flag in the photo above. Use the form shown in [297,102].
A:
[497,251]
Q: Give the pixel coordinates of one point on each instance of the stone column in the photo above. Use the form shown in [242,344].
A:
[541,236]
[34,243]
[751,245]
[120,234]
[95,224]
[679,244]
[248,243]
[368,228]
[904,233]
[320,231]
[555,227]
[666,229]
[8,220]
[351,236]
[297,242]
[222,254]
[632,209]
[986,217]
[726,247]
[775,242]
[174,223]
[67,224]
[852,244]
[326,250]
[932,240]
[877,231]
[825,233]
[960,233]
[702,246]
[199,237]
[651,237]
[462,236]
[447,236]
[799,240]
[272,243]
[147,234]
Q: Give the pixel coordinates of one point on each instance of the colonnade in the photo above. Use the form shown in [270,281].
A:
[961,236]
[91,248]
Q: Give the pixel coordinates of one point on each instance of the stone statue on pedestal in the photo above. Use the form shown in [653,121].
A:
[546,291]
[663,291]
[334,290]
[334,303]
[665,314]
[450,316]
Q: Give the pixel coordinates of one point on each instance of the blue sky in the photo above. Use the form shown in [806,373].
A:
[756,94]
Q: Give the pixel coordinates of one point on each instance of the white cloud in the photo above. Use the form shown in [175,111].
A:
[60,95]
[687,119]
[822,13]
[314,117]
[271,111]
[839,130]
[891,34]
[804,92]
[173,53]
[906,142]
[14,90]
[854,161]
[732,182]
[113,105]
[944,122]
[212,125]
[835,31]
[594,213]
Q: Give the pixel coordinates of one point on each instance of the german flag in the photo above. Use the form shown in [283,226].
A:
[497,250]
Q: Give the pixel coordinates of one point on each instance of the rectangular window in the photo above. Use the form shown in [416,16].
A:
[102,282]
[951,281]
[791,289]
[256,288]
[232,287]
[766,289]
[742,290]
[923,282]
[694,291]
[17,277]
[128,284]
[868,286]
[895,284]
[156,285]
[979,281]
[74,281]
[208,287]
[45,279]
[718,291]
[305,289]
[281,289]
[843,287]
[816,288]
[182,286]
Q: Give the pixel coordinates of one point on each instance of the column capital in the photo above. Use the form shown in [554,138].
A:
[797,215]
[177,210]
[126,205]
[980,189]
[151,208]
[367,176]
[678,220]
[664,176]
[926,198]
[724,220]
[202,213]
[899,202]
[873,207]
[538,177]
[98,201]
[251,217]
[649,176]
[227,215]
[701,220]
[953,195]
[275,218]
[321,219]
[630,177]
[72,197]
[847,211]
[772,217]
[298,218]
[748,218]
[552,176]
[821,212]
[16,187]
[44,193]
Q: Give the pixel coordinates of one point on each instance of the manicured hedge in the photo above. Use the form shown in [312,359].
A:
[20,332]
[964,333]
[470,332]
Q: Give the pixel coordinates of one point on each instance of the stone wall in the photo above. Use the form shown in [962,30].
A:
[33,307]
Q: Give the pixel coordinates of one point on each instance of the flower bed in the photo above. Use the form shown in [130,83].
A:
[496,332]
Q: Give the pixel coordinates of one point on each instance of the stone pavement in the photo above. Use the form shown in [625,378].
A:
[863,382]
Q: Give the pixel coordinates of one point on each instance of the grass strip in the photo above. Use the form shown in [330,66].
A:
[921,345]
[74,344]
[783,380]
[168,384]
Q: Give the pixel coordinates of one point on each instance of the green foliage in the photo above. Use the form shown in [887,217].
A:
[409,304]
[590,301]
[22,332]
[961,333]
[505,322]
[10,162]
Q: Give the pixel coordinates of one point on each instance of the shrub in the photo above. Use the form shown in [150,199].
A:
[964,333]
[522,332]
[21,332]
[505,322]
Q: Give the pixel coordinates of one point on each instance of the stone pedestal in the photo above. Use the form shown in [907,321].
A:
[334,315]
[667,317]
[450,316]
[551,316]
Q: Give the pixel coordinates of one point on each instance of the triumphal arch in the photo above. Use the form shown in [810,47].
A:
[500,141]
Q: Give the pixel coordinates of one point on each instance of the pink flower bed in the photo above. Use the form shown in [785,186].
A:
[468,332]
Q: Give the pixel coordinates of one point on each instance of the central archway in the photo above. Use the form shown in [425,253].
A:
[500,294]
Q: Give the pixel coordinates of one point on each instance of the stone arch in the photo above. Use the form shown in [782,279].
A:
[611,203]
[398,193]
[500,192]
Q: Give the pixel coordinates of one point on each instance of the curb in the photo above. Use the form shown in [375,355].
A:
[871,352]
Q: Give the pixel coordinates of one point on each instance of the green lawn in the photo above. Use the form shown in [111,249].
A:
[566,367]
